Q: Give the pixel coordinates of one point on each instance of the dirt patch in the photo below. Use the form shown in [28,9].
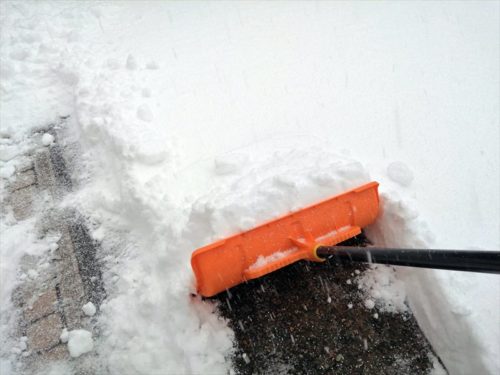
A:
[307,318]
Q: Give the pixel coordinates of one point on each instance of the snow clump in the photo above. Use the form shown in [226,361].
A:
[369,304]
[64,336]
[79,342]
[47,139]
[89,309]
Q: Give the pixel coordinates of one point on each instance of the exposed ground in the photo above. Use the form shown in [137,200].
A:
[285,324]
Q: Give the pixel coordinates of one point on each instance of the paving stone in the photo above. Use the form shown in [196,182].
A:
[43,170]
[44,333]
[71,289]
[21,201]
[44,305]
[72,299]
[74,276]
[62,178]
[57,353]
[85,253]
[23,179]
[65,250]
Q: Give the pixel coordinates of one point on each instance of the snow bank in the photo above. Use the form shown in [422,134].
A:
[457,311]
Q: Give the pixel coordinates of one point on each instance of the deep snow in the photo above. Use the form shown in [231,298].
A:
[201,119]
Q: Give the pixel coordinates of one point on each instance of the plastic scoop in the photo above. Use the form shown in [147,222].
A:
[285,240]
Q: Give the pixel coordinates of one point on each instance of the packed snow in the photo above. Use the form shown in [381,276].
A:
[199,120]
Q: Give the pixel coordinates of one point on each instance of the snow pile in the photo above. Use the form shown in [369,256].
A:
[283,182]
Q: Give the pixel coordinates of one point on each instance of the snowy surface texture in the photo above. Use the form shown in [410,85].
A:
[201,119]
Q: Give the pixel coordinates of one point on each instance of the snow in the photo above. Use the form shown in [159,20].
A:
[264,260]
[369,304]
[381,284]
[457,311]
[64,337]
[79,342]
[247,360]
[400,173]
[332,233]
[47,139]
[7,171]
[89,309]
[201,120]
[16,240]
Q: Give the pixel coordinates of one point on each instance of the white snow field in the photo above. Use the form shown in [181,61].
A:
[197,120]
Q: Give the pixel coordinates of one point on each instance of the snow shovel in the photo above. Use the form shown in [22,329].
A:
[311,234]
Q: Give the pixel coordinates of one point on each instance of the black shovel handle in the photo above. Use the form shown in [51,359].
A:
[456,260]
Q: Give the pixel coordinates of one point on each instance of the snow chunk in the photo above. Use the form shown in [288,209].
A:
[369,304]
[64,336]
[7,171]
[79,342]
[89,309]
[245,358]
[47,139]
[400,173]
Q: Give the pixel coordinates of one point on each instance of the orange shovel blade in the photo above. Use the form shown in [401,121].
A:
[285,240]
